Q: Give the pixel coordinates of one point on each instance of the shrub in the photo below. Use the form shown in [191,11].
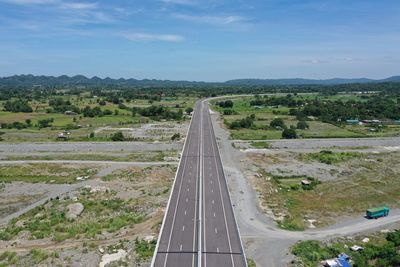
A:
[118,136]
[289,134]
[302,125]
[278,122]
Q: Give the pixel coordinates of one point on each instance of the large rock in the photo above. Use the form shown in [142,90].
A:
[108,258]
[74,210]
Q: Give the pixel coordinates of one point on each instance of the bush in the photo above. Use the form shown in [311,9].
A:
[118,136]
[278,122]
[302,125]
[176,136]
[189,110]
[289,134]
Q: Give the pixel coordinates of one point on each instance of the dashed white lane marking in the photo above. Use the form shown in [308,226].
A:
[213,202]
[217,250]
[180,248]
[212,190]
[216,230]
[214,214]
[185,212]
[188,189]
[183,228]
[187,200]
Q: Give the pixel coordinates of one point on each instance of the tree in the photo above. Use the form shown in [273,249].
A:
[289,134]
[118,136]
[302,125]
[175,136]
[278,122]
[189,110]
[28,122]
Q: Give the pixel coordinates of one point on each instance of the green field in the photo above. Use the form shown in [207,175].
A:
[264,115]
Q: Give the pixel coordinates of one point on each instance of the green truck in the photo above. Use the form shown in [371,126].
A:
[376,213]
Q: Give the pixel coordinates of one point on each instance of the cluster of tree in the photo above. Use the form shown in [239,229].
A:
[18,105]
[158,112]
[243,123]
[225,104]
[59,105]
[44,123]
[95,112]
[335,111]
[289,101]
[15,125]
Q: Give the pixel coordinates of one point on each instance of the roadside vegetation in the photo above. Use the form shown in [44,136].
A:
[101,213]
[368,180]
[381,250]
[44,173]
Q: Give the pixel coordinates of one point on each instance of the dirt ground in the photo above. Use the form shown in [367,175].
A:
[147,188]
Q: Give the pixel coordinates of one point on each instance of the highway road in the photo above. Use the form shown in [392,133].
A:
[199,218]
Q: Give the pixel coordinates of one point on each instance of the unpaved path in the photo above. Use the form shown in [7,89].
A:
[86,147]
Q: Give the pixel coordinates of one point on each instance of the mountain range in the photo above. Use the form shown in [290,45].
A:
[64,80]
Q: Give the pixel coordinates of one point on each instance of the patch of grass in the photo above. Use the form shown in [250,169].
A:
[260,144]
[8,258]
[43,173]
[251,263]
[330,157]
[144,250]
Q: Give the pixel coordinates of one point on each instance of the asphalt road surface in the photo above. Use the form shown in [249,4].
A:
[199,219]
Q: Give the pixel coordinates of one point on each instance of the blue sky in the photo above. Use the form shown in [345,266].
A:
[209,40]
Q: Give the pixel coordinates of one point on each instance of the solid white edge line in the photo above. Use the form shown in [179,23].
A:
[229,193]
[199,235]
[170,196]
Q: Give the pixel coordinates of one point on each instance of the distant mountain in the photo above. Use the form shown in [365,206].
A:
[297,81]
[80,80]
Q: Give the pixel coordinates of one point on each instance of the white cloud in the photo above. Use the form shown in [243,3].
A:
[215,20]
[30,2]
[181,2]
[150,37]
[79,6]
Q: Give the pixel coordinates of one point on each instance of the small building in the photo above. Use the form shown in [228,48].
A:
[353,122]
[70,113]
[305,182]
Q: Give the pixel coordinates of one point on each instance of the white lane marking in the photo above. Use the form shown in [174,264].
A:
[222,199]
[213,202]
[217,250]
[176,205]
[202,204]
[180,248]
[216,230]
[212,190]
[187,200]
[185,212]
[188,189]
[214,214]
[183,228]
